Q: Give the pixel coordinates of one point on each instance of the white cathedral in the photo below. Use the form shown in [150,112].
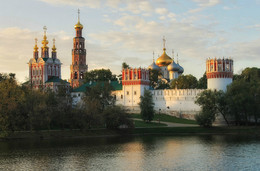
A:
[175,102]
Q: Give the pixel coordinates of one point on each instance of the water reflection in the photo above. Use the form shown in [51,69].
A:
[209,152]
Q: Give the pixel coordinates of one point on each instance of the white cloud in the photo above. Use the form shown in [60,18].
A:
[161,11]
[203,4]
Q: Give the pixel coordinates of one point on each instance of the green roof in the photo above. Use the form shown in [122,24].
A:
[45,59]
[115,84]
[55,79]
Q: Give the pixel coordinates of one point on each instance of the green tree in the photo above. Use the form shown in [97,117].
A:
[116,116]
[11,101]
[99,75]
[207,100]
[185,82]
[125,65]
[202,83]
[154,77]
[147,106]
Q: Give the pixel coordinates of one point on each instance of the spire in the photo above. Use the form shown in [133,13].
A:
[45,41]
[164,43]
[35,46]
[45,48]
[54,53]
[153,56]
[53,47]
[172,54]
[78,25]
[78,14]
[35,52]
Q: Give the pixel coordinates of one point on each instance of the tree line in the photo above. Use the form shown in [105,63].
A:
[23,108]
[239,105]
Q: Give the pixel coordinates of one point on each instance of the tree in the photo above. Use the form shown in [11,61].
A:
[116,116]
[99,75]
[185,82]
[207,100]
[125,65]
[147,106]
[11,101]
[153,77]
[202,83]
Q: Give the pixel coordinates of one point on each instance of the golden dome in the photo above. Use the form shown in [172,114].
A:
[164,59]
[78,25]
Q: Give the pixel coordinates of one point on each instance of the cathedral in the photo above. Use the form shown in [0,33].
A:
[168,68]
[45,70]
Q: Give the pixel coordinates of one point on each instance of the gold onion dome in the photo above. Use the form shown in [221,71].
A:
[164,59]
[78,25]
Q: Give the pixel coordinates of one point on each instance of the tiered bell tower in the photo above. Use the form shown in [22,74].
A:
[78,66]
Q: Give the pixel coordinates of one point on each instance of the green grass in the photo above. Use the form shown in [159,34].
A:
[166,118]
[143,124]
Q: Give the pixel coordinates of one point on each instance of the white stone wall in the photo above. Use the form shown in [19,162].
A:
[219,83]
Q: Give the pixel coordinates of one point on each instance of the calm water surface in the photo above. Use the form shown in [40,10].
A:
[214,152]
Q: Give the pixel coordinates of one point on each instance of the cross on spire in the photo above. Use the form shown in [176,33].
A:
[164,42]
[153,56]
[53,41]
[172,53]
[45,29]
[36,40]
[78,14]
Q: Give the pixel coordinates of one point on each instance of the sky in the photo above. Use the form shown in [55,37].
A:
[118,31]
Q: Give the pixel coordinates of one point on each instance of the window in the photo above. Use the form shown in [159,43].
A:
[121,96]
[81,75]
[75,75]
[134,92]
[79,95]
[127,93]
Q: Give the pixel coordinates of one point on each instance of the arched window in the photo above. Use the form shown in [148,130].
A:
[81,75]
[75,75]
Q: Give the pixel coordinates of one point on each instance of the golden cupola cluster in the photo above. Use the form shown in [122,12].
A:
[45,41]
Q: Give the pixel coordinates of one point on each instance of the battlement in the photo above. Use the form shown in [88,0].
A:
[135,76]
[219,68]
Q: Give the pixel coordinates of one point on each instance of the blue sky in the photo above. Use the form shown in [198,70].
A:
[129,31]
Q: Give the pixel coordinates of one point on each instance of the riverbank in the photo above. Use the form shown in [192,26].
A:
[56,134]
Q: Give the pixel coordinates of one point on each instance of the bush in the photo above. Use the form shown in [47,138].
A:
[116,116]
[205,118]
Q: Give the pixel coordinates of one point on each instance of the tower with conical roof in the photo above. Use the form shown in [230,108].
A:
[78,66]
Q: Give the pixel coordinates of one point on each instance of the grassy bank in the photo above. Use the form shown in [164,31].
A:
[137,131]
[143,124]
[166,118]
[198,130]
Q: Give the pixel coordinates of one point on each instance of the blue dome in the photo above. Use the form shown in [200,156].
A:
[153,66]
[173,67]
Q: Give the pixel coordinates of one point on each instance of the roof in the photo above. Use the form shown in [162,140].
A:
[45,59]
[115,84]
[55,79]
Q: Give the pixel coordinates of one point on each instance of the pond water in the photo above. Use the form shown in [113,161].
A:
[207,152]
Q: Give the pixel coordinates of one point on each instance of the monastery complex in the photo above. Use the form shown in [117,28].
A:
[45,71]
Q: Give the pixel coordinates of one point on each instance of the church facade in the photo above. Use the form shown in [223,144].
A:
[45,70]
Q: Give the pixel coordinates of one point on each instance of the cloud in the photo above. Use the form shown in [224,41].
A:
[161,11]
[203,4]
[77,3]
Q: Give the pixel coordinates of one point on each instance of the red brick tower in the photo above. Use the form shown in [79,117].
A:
[78,66]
